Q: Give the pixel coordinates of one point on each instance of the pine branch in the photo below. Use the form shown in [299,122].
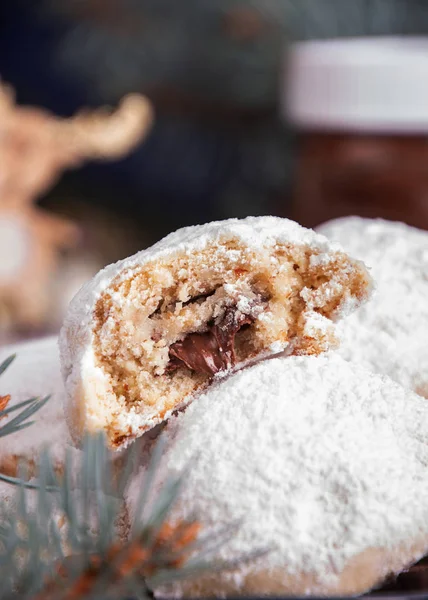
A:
[6,363]
[60,543]
[28,408]
[59,535]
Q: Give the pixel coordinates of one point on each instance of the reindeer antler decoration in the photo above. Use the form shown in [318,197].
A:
[35,148]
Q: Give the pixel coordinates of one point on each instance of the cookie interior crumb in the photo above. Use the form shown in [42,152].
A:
[139,318]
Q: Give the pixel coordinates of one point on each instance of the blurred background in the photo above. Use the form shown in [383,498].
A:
[250,118]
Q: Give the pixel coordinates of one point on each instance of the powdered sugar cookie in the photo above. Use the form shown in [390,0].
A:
[35,373]
[322,462]
[149,332]
[389,334]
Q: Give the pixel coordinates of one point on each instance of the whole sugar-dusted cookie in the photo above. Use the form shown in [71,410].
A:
[389,334]
[34,373]
[149,332]
[322,463]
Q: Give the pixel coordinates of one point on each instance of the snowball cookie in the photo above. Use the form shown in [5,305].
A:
[389,334]
[322,462]
[35,372]
[149,332]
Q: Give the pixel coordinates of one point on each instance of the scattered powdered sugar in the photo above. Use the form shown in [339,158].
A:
[319,459]
[390,333]
[35,373]
[316,325]
[321,260]
[246,301]
[278,347]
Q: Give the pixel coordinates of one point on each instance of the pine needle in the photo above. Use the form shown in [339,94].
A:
[59,538]
[21,420]
[6,363]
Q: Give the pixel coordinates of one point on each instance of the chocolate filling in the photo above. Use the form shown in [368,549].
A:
[212,351]
[414,579]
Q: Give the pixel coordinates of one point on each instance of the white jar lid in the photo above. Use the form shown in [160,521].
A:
[365,84]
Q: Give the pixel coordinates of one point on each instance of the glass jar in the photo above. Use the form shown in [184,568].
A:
[360,108]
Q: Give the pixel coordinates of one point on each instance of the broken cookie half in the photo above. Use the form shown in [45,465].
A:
[147,334]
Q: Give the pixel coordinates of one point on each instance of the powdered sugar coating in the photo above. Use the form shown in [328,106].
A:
[389,334]
[36,373]
[79,367]
[320,460]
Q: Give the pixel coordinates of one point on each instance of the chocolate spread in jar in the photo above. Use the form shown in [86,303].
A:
[367,175]
[360,111]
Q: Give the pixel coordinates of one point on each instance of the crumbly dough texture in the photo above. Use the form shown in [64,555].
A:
[388,334]
[284,283]
[322,462]
[35,373]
